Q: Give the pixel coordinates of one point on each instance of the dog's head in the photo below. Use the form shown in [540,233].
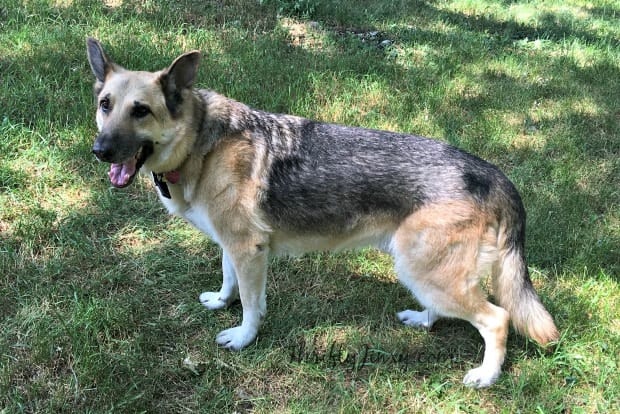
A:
[138,113]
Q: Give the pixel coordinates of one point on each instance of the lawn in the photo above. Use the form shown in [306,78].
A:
[99,287]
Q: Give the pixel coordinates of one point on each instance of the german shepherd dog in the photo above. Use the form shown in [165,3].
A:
[262,184]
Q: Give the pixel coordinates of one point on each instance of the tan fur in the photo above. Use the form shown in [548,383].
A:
[447,248]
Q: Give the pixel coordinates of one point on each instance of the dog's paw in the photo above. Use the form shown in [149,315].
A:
[213,300]
[416,319]
[236,338]
[480,377]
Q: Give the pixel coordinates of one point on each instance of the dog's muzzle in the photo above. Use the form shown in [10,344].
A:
[123,168]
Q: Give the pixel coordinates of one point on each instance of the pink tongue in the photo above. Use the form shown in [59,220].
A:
[120,174]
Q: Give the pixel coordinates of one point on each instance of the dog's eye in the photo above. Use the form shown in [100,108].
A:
[104,104]
[140,111]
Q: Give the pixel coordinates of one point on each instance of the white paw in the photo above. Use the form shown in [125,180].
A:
[236,338]
[480,377]
[417,319]
[213,300]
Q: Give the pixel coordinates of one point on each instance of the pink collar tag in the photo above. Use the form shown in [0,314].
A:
[172,177]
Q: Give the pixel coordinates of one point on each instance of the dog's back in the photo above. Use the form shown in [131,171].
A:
[333,174]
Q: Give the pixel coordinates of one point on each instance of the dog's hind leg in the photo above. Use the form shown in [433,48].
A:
[492,323]
[441,256]
[464,299]
[230,287]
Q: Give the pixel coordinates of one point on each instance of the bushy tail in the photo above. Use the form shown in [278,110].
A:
[514,291]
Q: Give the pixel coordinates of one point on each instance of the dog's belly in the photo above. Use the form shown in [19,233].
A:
[295,244]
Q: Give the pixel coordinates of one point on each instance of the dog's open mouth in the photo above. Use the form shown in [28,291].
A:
[123,174]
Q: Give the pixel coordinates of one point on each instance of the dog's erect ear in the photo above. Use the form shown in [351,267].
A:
[182,73]
[100,64]
[177,77]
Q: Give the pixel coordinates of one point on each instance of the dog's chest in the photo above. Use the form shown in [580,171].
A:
[197,215]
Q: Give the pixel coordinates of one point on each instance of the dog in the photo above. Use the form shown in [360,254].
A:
[262,184]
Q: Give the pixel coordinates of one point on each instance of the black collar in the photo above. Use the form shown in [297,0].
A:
[161,183]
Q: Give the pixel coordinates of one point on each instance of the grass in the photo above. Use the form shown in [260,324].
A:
[98,287]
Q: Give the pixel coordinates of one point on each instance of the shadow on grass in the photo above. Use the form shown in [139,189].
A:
[553,26]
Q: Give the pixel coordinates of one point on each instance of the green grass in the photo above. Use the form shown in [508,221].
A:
[98,287]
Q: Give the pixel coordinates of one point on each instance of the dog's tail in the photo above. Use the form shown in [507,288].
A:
[512,284]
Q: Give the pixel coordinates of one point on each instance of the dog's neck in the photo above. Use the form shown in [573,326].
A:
[161,179]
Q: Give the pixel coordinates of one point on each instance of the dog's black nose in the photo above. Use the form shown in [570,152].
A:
[102,153]
[99,153]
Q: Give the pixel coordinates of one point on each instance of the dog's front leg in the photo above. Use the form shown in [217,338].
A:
[230,288]
[251,271]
